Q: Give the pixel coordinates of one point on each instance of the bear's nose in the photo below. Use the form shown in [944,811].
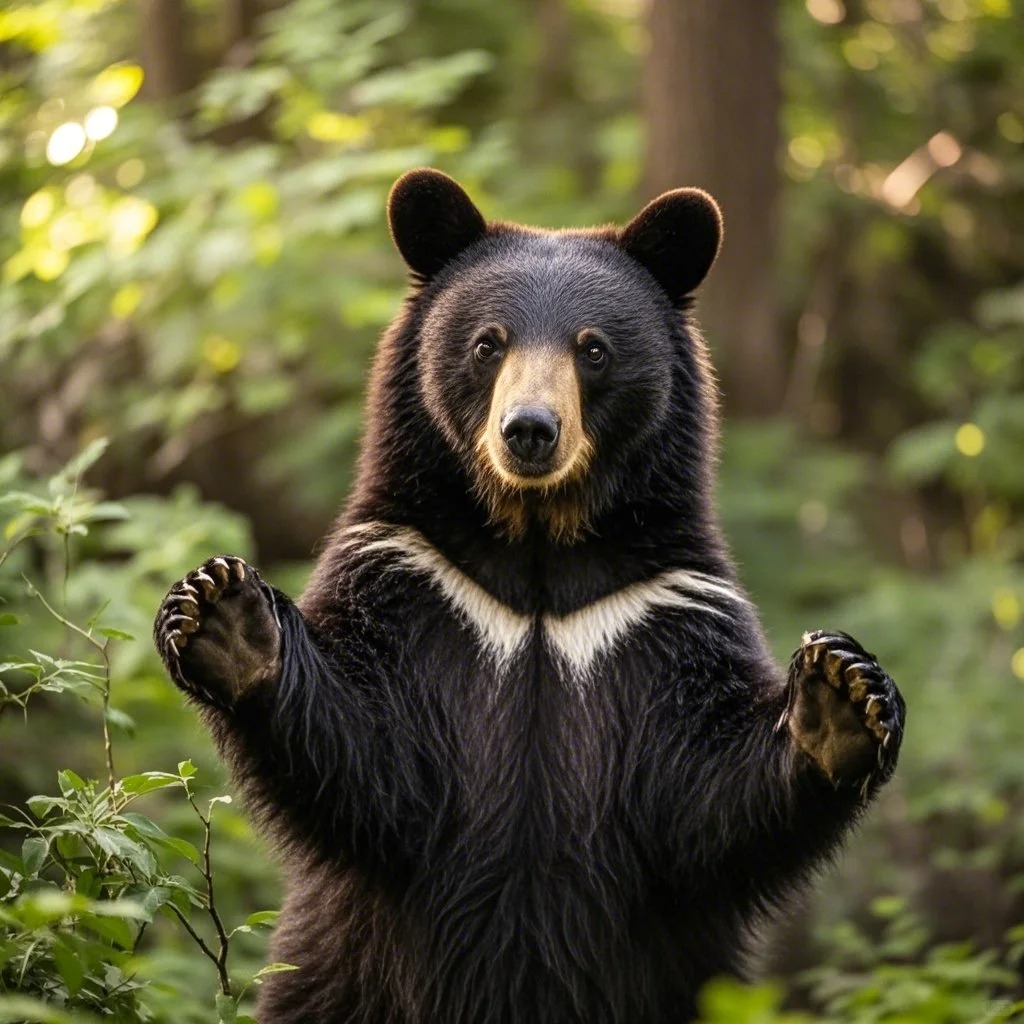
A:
[531,432]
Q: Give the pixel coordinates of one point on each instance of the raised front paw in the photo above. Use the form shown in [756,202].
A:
[843,711]
[217,631]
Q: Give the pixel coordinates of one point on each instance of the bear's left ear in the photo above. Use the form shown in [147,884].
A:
[676,237]
[432,220]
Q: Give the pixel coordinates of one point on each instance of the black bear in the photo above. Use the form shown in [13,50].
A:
[521,743]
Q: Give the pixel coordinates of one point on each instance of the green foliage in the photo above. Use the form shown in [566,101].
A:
[225,274]
[897,978]
[86,878]
[894,980]
[200,275]
[727,1001]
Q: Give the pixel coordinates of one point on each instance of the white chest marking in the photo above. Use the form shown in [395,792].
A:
[500,630]
[577,639]
[582,636]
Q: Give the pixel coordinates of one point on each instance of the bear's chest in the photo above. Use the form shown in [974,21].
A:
[541,714]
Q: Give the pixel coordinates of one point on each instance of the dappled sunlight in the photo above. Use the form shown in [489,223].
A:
[194,271]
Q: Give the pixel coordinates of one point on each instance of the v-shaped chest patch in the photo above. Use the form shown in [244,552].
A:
[577,639]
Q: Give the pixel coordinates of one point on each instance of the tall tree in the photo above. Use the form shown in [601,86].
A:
[711,98]
[165,49]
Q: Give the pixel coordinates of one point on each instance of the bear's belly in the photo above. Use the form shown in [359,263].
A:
[487,942]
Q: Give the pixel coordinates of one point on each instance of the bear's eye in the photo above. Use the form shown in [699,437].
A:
[594,351]
[487,347]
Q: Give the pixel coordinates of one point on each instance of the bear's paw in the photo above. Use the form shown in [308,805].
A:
[844,712]
[217,631]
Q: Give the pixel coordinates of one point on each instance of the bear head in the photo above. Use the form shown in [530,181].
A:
[551,362]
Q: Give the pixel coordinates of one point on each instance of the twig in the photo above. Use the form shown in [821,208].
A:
[108,747]
[103,648]
[221,958]
[199,941]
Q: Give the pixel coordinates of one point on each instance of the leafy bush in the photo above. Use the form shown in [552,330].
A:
[86,878]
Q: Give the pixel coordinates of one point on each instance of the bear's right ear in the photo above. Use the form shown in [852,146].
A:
[432,220]
[676,237]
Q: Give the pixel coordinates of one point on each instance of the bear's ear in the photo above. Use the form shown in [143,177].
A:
[432,220]
[676,237]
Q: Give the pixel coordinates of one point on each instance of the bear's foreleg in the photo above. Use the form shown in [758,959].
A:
[775,775]
[291,715]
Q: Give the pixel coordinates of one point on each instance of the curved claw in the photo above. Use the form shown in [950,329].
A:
[220,567]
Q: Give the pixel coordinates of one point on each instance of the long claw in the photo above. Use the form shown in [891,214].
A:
[221,568]
[209,584]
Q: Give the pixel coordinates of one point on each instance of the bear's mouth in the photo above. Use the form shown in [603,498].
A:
[515,473]
[550,491]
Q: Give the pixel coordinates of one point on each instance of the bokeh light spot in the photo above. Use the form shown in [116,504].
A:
[66,142]
[100,122]
[1006,607]
[38,209]
[828,12]
[130,173]
[970,440]
[1017,663]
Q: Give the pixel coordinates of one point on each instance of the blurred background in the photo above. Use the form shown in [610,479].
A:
[195,268]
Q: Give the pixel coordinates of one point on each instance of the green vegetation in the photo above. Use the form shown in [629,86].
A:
[195,266]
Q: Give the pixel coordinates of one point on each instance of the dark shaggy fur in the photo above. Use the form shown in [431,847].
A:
[502,834]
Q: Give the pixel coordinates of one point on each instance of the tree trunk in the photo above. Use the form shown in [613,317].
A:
[165,49]
[711,97]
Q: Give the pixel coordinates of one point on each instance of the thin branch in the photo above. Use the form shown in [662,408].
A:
[221,959]
[103,648]
[87,634]
[197,938]
[108,747]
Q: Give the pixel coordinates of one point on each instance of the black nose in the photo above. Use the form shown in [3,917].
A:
[531,432]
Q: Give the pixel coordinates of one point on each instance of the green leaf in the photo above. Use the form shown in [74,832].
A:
[155,835]
[121,721]
[21,1009]
[186,769]
[131,910]
[115,634]
[262,917]
[41,806]
[114,929]
[275,968]
[9,619]
[154,899]
[31,503]
[227,1009]
[182,846]
[70,782]
[147,782]
[70,965]
[142,824]
[33,854]
[106,511]
[117,844]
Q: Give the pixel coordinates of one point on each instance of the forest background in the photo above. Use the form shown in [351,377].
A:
[195,268]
